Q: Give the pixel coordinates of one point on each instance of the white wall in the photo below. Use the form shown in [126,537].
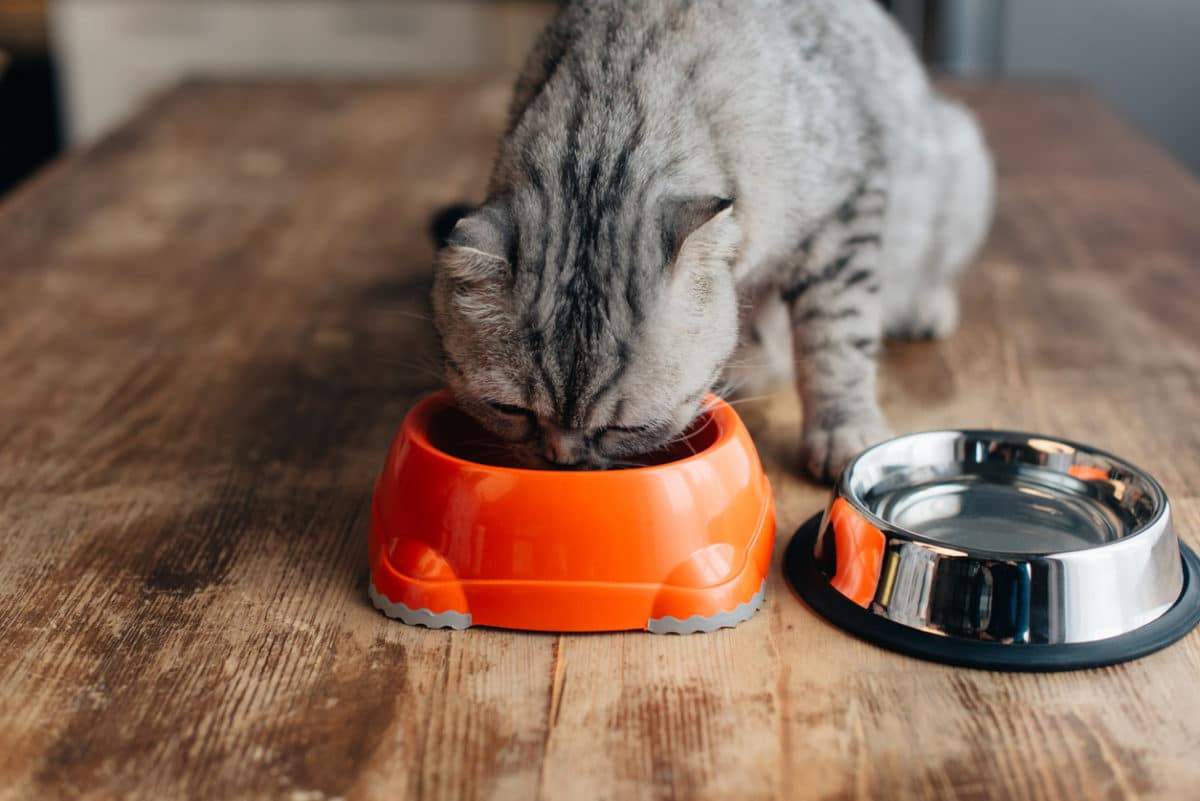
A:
[1142,55]
[113,54]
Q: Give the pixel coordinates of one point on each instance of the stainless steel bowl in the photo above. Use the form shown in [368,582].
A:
[999,549]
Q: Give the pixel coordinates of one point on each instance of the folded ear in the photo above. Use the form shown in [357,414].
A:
[443,222]
[481,246]
[697,218]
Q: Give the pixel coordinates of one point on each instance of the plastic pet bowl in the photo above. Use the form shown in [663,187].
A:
[999,550]
[458,538]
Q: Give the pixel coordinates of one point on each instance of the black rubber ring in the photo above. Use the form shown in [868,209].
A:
[803,574]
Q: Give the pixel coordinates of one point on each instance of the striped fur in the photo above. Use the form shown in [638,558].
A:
[673,167]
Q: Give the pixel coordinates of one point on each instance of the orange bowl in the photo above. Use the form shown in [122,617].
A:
[461,539]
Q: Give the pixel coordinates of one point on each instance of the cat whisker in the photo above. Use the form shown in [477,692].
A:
[624,465]
[728,387]
[435,372]
[409,315]
[751,399]
[687,435]
[746,363]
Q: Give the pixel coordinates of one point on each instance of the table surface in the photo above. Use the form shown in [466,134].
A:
[210,326]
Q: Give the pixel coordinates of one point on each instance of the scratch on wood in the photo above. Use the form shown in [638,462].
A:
[556,685]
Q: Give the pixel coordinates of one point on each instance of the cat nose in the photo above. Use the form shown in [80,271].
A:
[563,450]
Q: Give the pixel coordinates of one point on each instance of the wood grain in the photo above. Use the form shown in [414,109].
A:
[211,324]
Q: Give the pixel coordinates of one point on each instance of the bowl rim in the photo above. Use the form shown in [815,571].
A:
[415,427]
[843,490]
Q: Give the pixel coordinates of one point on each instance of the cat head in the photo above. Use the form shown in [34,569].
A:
[585,343]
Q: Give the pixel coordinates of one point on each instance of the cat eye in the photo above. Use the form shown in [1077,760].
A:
[510,410]
[628,429]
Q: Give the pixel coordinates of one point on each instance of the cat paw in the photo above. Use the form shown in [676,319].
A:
[824,452]
[934,317]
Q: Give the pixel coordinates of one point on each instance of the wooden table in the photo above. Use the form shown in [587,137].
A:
[210,327]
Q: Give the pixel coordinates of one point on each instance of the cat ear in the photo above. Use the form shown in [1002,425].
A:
[481,245]
[684,217]
[443,222]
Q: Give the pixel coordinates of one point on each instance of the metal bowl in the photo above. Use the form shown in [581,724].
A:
[999,549]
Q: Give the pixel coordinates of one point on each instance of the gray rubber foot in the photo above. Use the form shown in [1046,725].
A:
[698,623]
[418,617]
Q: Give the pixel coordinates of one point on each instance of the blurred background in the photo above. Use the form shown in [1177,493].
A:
[70,70]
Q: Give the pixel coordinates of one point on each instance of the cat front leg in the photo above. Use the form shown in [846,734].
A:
[837,325]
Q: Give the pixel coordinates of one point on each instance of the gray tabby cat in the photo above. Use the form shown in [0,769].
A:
[676,172]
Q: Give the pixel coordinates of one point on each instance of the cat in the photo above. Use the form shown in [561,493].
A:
[682,180]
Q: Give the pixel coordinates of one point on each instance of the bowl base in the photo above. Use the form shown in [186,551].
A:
[700,624]
[417,617]
[814,588]
[696,624]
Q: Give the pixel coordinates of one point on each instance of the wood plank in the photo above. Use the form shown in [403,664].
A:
[229,325]
[210,325]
